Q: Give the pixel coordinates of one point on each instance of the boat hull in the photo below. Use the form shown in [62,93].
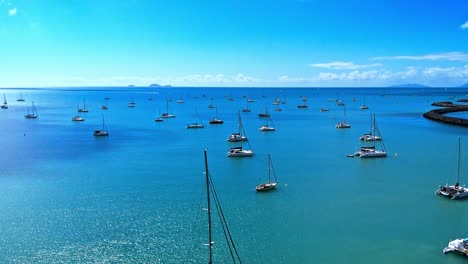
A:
[264,187]
[452,191]
[100,133]
[240,153]
[373,154]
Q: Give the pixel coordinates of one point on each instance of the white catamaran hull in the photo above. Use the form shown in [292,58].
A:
[452,191]
[459,245]
[373,154]
[240,153]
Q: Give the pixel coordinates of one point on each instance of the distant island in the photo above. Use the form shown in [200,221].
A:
[464,86]
[410,85]
[158,85]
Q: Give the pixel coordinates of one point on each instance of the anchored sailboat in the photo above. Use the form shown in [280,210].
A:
[269,185]
[5,104]
[196,124]
[343,124]
[103,131]
[240,135]
[21,98]
[215,120]
[84,109]
[267,126]
[33,113]
[132,103]
[371,152]
[166,114]
[371,136]
[239,151]
[454,191]
[266,114]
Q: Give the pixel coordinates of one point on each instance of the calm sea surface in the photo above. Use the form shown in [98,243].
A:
[137,196]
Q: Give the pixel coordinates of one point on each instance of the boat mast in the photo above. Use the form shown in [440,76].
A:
[458,173]
[207,175]
[269,168]
[374,130]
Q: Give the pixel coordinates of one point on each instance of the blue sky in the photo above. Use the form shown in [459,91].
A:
[233,42]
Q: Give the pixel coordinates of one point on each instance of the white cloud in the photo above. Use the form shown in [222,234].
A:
[447,56]
[12,12]
[341,65]
[450,72]
[288,79]
[464,25]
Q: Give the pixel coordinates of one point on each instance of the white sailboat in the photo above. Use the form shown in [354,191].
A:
[215,120]
[238,136]
[132,103]
[33,114]
[364,106]
[343,124]
[372,152]
[21,98]
[167,114]
[5,104]
[77,118]
[196,124]
[211,192]
[84,109]
[101,132]
[370,136]
[460,245]
[454,191]
[105,106]
[240,151]
[269,185]
[267,127]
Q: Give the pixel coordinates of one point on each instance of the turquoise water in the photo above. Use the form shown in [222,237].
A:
[137,195]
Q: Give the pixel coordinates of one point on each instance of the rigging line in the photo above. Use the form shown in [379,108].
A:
[225,222]
[217,205]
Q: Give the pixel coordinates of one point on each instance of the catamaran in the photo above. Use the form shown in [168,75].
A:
[370,136]
[454,191]
[269,185]
[238,136]
[371,151]
[460,245]
[239,151]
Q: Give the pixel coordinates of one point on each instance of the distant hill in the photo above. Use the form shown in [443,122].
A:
[464,86]
[157,85]
[409,85]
